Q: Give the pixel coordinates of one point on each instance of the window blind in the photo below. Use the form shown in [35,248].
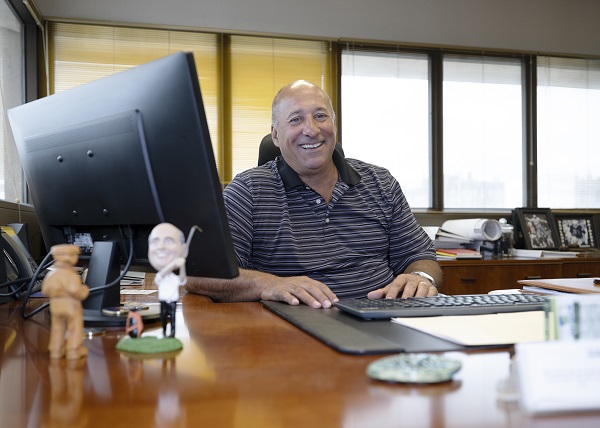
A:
[568,102]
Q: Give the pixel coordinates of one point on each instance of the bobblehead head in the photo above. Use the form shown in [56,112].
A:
[165,244]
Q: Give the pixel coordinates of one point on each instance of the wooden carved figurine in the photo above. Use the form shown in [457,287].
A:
[65,290]
[167,251]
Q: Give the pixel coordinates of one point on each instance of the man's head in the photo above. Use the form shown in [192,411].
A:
[165,243]
[65,254]
[303,127]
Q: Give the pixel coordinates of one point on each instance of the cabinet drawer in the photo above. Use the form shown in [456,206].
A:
[581,269]
[470,279]
[473,279]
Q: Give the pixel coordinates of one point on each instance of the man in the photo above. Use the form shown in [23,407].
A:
[167,251]
[314,227]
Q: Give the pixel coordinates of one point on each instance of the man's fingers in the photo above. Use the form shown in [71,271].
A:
[402,286]
[300,289]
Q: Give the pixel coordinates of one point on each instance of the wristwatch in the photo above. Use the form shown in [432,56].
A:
[426,276]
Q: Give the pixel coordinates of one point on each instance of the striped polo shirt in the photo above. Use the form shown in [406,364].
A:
[358,242]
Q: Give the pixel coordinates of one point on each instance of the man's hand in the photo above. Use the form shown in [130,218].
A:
[405,285]
[296,289]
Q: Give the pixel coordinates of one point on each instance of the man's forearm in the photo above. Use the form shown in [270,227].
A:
[243,288]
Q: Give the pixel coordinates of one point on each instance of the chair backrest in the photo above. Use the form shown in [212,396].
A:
[268,150]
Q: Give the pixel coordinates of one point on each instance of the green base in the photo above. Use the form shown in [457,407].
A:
[149,345]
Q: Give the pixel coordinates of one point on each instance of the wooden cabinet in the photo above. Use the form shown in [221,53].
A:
[482,276]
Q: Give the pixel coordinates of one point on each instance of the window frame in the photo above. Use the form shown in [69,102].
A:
[31,36]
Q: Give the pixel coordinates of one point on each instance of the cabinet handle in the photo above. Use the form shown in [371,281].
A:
[468,279]
[584,275]
[533,277]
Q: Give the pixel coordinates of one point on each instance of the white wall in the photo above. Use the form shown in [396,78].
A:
[546,26]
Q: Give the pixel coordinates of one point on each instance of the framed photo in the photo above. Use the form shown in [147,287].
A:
[538,228]
[577,230]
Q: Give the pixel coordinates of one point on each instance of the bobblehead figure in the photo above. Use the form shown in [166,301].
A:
[65,290]
[167,250]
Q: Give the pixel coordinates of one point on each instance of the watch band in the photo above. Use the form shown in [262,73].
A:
[426,276]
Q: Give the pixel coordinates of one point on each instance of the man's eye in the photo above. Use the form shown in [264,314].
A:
[295,120]
[321,116]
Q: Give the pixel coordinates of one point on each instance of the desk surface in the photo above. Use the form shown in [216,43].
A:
[241,366]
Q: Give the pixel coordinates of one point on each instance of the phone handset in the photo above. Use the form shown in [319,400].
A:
[18,261]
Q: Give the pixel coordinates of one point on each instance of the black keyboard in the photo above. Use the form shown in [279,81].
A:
[469,304]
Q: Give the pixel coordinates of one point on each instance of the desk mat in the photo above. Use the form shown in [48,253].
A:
[351,335]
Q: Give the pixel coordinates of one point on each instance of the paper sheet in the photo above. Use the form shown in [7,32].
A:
[482,330]
[138,292]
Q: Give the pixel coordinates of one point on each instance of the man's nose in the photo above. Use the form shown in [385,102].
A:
[311,127]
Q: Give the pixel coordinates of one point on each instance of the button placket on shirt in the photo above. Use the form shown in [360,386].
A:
[318,204]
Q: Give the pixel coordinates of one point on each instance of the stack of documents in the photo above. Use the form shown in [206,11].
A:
[546,254]
[457,254]
[464,233]
[443,239]
[561,285]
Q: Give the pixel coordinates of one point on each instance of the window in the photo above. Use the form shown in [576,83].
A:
[568,132]
[483,132]
[386,112]
[385,107]
[11,95]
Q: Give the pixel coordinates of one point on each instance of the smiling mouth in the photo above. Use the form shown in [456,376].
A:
[311,146]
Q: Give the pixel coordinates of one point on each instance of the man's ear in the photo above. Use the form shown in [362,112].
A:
[274,136]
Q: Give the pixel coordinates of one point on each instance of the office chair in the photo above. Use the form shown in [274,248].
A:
[268,150]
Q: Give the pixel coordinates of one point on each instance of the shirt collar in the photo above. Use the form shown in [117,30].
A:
[347,173]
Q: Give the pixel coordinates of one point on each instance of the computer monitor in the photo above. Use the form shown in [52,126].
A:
[107,161]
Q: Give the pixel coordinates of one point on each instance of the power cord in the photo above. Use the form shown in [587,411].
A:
[42,266]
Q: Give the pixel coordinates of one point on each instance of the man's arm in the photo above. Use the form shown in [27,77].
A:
[409,284]
[253,285]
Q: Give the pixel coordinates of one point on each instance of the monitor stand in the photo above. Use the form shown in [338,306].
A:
[104,268]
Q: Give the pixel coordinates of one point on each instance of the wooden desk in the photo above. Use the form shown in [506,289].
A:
[241,366]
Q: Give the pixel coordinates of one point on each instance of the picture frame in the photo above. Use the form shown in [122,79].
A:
[537,228]
[578,230]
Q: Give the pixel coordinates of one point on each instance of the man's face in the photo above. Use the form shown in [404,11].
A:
[305,129]
[164,245]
